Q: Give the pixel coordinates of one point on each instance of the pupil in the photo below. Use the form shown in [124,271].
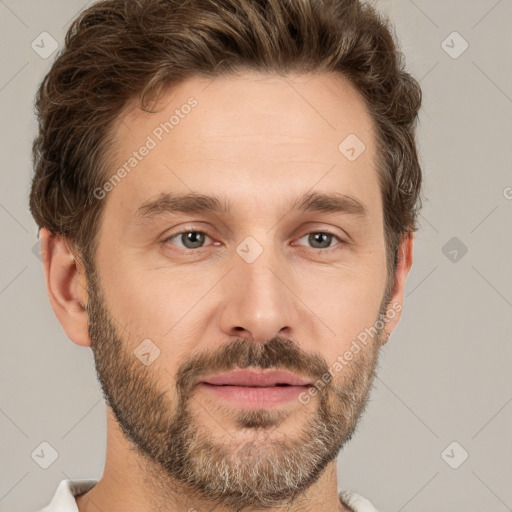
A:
[195,238]
[317,237]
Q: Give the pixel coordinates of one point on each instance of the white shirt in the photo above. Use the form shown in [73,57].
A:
[64,497]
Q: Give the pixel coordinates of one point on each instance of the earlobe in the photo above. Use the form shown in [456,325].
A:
[66,285]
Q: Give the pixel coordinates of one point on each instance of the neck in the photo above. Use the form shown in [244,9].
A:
[130,497]
[131,483]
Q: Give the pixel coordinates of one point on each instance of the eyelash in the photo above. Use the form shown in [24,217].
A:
[192,230]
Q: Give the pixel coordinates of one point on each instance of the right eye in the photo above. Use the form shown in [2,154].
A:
[190,239]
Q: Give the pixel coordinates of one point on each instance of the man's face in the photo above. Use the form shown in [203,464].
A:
[265,285]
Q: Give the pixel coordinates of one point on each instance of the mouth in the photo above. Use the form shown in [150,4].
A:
[257,378]
[255,388]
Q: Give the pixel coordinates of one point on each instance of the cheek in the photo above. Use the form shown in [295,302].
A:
[159,304]
[346,303]
[134,297]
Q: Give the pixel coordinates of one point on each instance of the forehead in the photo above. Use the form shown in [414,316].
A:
[313,106]
[248,133]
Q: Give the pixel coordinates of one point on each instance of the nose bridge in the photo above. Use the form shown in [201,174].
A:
[258,302]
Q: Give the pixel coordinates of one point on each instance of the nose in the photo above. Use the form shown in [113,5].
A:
[258,300]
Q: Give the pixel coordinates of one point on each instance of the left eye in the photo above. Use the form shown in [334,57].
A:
[321,238]
[195,239]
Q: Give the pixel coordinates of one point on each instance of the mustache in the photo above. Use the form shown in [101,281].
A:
[278,353]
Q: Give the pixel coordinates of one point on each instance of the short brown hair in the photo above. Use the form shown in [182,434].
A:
[118,50]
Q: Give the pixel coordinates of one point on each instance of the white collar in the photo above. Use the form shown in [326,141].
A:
[64,497]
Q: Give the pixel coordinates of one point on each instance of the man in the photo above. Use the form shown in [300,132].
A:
[227,192]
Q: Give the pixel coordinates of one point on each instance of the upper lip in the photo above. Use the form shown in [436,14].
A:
[257,378]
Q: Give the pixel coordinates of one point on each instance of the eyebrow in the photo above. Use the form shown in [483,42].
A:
[199,203]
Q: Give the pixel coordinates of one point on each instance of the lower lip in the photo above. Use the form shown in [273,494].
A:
[252,397]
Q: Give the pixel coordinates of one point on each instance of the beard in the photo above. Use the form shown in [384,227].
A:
[257,466]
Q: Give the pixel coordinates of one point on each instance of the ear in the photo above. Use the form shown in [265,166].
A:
[404,264]
[66,285]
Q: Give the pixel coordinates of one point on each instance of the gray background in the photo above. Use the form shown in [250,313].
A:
[445,373]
